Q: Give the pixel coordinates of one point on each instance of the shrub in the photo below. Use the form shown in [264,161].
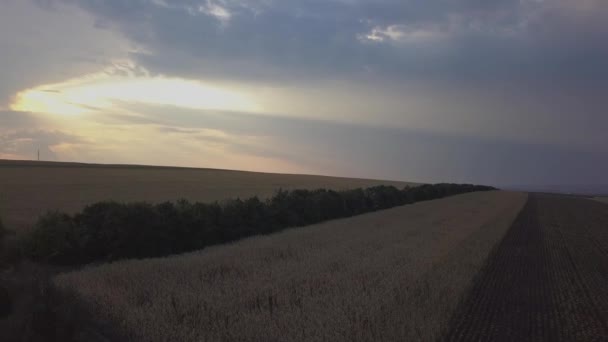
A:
[3,231]
[10,252]
[110,231]
[6,303]
[355,202]
[55,238]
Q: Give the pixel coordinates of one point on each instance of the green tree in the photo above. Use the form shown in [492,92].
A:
[54,239]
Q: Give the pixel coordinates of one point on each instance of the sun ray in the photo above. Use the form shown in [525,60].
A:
[105,90]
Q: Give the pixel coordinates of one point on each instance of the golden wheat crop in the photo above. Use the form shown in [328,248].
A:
[394,275]
[28,189]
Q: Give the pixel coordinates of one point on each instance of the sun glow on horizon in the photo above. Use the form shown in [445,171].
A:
[106,89]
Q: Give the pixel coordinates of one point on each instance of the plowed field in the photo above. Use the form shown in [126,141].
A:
[546,281]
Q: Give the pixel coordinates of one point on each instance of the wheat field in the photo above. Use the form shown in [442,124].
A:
[601,199]
[29,189]
[394,275]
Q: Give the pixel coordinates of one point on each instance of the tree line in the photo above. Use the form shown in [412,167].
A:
[108,231]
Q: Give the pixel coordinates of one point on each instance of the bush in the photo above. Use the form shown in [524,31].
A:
[110,231]
[10,253]
[4,234]
[6,303]
[3,231]
[55,238]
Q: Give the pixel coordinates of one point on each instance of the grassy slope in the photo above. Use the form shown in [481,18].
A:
[28,189]
[390,275]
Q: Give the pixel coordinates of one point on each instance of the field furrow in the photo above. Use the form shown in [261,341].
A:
[546,281]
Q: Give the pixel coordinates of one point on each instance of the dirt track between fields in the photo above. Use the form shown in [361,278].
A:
[546,281]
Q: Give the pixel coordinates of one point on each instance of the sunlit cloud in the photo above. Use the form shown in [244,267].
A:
[213,9]
[103,90]
[414,90]
[402,33]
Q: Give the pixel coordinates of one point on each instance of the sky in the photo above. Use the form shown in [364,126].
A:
[500,92]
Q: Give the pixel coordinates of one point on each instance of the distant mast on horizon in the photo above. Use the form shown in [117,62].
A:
[38,154]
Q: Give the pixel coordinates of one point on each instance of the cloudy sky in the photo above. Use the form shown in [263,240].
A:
[486,91]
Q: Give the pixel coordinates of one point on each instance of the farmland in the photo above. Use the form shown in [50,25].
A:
[391,275]
[29,189]
[546,281]
[482,266]
[601,199]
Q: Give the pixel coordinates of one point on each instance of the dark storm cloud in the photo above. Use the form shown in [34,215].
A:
[501,40]
[513,90]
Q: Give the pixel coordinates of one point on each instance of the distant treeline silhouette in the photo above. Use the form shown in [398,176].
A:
[109,231]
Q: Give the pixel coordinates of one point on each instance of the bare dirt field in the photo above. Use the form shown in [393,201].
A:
[393,275]
[28,189]
[546,281]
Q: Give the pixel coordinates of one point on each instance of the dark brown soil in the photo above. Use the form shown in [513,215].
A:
[546,281]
